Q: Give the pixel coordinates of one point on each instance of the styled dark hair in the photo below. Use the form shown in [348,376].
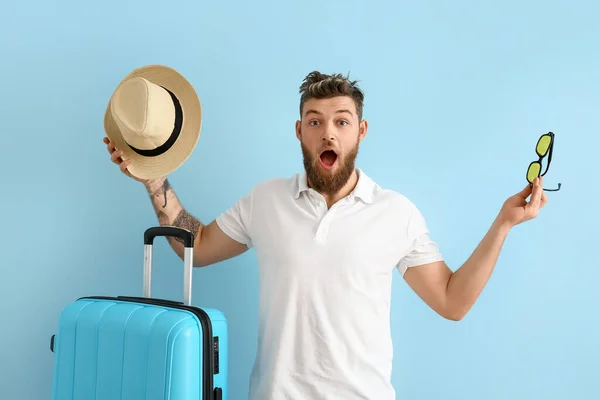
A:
[322,86]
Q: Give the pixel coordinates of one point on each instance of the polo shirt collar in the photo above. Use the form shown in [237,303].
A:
[363,190]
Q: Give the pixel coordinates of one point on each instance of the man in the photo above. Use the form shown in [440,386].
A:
[327,243]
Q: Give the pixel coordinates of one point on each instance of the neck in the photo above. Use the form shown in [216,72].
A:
[332,198]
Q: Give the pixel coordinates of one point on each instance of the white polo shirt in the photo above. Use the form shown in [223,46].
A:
[325,285]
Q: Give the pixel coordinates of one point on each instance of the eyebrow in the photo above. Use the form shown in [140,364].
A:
[340,111]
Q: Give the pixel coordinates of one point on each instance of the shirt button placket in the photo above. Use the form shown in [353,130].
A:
[323,228]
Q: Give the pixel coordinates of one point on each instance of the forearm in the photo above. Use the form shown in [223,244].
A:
[466,284]
[170,211]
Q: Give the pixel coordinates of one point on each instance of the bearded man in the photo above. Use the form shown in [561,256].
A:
[328,241]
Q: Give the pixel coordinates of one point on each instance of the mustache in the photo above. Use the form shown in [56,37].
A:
[329,145]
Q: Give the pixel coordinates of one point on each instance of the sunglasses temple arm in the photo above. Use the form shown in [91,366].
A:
[554,190]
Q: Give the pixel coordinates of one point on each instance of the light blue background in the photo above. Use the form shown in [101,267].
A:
[457,93]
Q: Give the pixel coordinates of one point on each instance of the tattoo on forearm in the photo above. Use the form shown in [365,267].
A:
[186,221]
[166,187]
[163,218]
[157,193]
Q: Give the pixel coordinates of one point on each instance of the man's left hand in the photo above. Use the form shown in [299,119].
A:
[517,209]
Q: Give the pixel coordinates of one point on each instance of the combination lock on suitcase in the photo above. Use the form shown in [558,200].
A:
[141,348]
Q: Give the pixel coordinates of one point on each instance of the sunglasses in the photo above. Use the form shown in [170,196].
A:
[543,148]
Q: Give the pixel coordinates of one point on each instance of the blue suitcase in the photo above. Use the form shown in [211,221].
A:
[141,348]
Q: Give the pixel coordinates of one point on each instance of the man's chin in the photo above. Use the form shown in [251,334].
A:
[328,177]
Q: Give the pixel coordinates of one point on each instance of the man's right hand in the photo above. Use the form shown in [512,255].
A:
[116,156]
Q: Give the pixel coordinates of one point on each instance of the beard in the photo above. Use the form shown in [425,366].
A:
[329,182]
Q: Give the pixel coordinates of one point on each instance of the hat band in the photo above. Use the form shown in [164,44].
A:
[172,138]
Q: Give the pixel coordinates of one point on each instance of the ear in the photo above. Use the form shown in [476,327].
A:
[298,129]
[362,129]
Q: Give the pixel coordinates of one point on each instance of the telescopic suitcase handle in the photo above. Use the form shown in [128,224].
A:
[188,242]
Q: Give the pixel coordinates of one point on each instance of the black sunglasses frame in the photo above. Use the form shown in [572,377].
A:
[541,157]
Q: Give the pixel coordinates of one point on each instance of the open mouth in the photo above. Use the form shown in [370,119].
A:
[328,158]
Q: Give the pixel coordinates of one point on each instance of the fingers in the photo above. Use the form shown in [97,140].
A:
[524,194]
[123,166]
[110,146]
[544,199]
[116,156]
[536,197]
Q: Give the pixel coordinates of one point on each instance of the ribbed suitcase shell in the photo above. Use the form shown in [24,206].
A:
[139,349]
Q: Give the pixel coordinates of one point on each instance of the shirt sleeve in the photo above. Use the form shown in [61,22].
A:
[236,221]
[423,249]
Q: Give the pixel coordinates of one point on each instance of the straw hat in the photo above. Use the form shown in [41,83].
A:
[154,116]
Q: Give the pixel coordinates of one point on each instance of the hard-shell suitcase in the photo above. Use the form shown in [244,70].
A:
[141,348]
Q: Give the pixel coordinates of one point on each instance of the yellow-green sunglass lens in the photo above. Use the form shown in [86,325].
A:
[543,145]
[533,171]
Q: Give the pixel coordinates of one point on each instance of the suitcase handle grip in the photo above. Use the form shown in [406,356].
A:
[188,241]
[169,231]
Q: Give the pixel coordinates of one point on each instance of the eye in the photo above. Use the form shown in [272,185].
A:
[344,123]
[313,123]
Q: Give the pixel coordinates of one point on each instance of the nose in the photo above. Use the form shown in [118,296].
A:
[328,133]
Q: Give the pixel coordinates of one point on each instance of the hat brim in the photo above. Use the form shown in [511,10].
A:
[144,167]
